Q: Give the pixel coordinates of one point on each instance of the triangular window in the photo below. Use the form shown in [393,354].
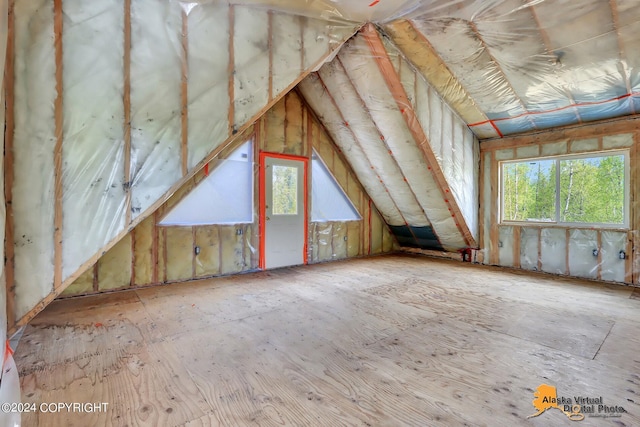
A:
[224,197]
[328,201]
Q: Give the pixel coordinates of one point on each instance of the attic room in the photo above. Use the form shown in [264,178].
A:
[320,212]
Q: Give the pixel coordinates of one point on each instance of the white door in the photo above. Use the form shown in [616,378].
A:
[284,212]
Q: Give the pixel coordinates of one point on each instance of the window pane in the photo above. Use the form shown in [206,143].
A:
[592,190]
[285,190]
[529,191]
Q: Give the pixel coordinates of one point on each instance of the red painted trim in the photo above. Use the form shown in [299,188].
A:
[263,202]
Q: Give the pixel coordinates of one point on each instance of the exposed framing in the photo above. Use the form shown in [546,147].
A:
[184,95]
[394,85]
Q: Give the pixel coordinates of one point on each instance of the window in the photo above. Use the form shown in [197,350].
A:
[328,201]
[285,190]
[223,197]
[584,189]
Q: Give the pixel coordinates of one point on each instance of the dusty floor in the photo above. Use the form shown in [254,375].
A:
[387,341]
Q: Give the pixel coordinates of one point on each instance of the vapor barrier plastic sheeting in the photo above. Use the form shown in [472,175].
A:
[614,253]
[223,197]
[529,248]
[328,200]
[33,146]
[583,253]
[553,250]
[321,102]
[564,66]
[505,246]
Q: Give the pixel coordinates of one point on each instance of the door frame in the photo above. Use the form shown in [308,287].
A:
[263,203]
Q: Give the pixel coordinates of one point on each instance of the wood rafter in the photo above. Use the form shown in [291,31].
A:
[397,90]
[384,141]
[359,144]
[126,99]
[184,95]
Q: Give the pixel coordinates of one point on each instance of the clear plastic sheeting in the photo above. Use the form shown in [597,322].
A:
[322,103]
[328,200]
[223,197]
[553,250]
[454,145]
[33,147]
[175,82]
[538,64]
[529,244]
[93,155]
[614,254]
[505,247]
[156,64]
[583,253]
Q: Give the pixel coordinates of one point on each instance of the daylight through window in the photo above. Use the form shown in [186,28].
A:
[566,190]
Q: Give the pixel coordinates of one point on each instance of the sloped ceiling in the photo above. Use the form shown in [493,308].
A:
[512,66]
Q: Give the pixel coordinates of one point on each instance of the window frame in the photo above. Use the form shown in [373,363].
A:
[557,222]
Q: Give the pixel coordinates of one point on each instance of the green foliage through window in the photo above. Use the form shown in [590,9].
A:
[285,190]
[591,190]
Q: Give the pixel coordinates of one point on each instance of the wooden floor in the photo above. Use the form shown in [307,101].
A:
[389,341]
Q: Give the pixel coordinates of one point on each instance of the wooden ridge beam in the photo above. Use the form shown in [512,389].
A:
[404,105]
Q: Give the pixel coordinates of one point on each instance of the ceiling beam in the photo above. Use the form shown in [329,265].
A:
[394,84]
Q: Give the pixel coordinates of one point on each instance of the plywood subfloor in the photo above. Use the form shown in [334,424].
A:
[386,341]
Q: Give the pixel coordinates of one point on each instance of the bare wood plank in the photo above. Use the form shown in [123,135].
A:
[599,234]
[155,276]
[494,237]
[57,156]
[517,235]
[9,95]
[127,108]
[395,86]
[184,89]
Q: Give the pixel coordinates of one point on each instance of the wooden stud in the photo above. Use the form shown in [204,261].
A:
[175,187]
[539,249]
[194,257]
[494,236]
[184,115]
[395,86]
[132,281]
[482,208]
[357,141]
[58,171]
[231,71]
[164,254]
[634,208]
[96,277]
[154,250]
[9,93]
[517,236]
[126,99]
[628,262]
